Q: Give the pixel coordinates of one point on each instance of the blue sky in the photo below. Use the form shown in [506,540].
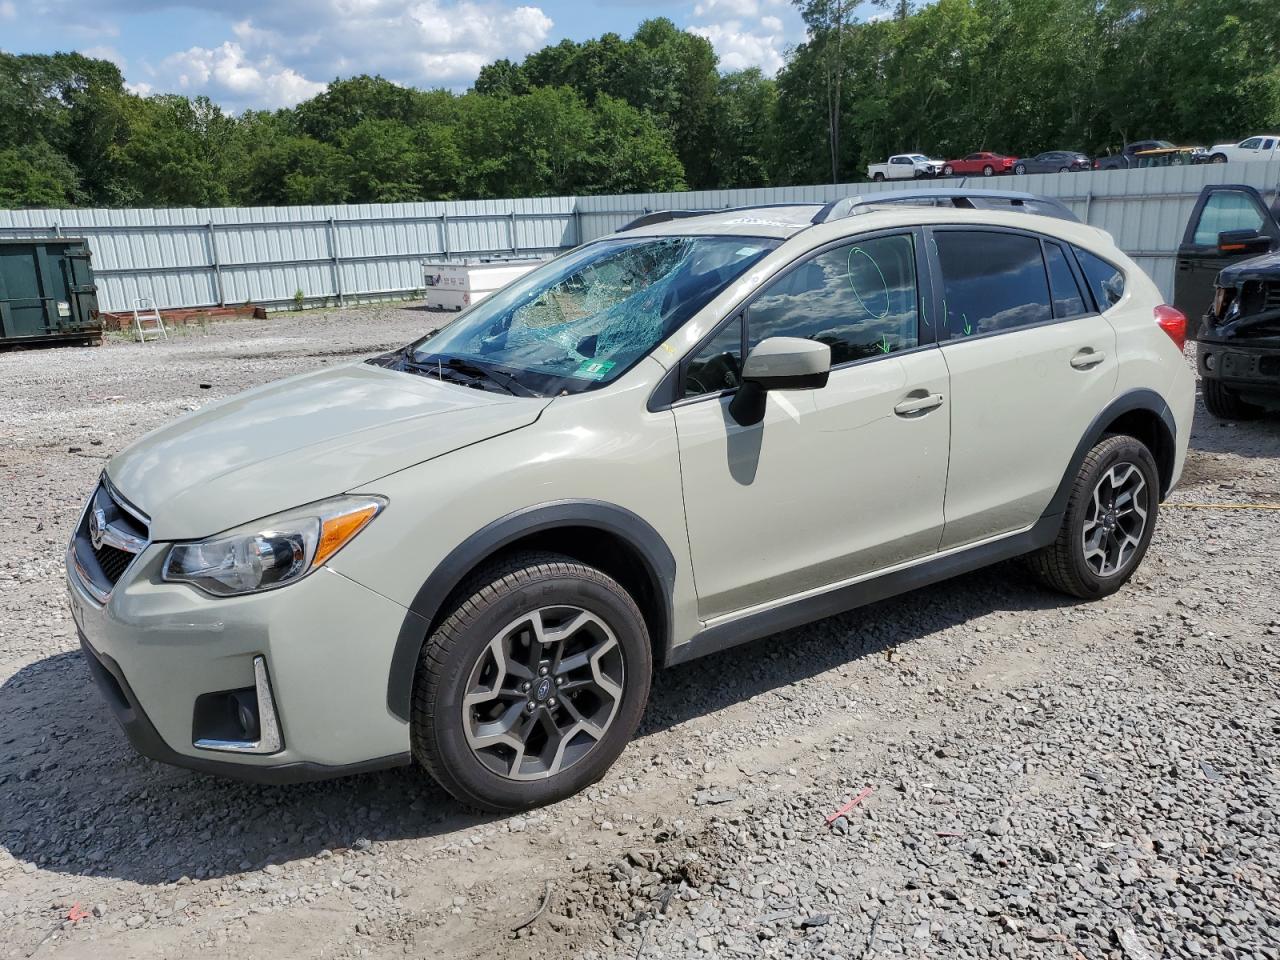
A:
[271,53]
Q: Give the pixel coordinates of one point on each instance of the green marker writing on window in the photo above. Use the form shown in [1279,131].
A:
[884,343]
[967,328]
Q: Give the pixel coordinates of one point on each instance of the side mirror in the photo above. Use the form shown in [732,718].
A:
[778,363]
[1240,241]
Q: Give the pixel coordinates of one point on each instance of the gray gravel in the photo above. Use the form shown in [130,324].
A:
[1048,779]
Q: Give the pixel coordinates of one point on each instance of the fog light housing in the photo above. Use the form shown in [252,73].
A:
[238,721]
[1210,362]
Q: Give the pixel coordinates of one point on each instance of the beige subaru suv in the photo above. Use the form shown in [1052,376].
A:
[472,552]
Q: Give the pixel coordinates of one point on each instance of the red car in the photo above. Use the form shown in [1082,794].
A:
[983,164]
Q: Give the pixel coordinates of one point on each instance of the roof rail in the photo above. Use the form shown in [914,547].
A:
[964,199]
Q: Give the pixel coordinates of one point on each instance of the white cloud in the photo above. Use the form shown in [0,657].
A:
[281,52]
[7,10]
[745,33]
[226,71]
[726,8]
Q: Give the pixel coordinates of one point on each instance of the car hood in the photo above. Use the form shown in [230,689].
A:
[1265,267]
[299,440]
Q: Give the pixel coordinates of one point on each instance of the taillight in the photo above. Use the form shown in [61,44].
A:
[1173,322]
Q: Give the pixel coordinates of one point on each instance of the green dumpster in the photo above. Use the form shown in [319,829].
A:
[47,294]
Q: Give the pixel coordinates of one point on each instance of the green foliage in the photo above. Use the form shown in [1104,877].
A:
[652,112]
[37,176]
[1022,76]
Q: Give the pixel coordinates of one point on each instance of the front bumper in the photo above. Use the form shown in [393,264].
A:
[155,648]
[1254,369]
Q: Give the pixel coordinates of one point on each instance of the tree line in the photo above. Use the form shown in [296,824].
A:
[653,112]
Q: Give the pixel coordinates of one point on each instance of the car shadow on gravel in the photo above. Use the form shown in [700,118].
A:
[76,798]
[779,661]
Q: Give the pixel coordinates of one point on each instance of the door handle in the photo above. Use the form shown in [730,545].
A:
[1088,357]
[914,405]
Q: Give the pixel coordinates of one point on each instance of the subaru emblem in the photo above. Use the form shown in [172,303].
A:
[97,526]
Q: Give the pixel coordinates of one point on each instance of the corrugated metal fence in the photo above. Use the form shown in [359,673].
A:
[265,255]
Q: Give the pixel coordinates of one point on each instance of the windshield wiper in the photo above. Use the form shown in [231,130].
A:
[471,371]
[504,380]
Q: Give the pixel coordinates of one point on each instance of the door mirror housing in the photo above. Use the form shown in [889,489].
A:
[778,363]
[1243,241]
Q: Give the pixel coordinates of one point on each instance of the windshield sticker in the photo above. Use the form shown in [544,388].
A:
[594,369]
[746,251]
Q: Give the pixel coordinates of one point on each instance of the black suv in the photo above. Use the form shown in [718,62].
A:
[1229,275]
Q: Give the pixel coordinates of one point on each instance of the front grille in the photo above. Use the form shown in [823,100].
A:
[121,532]
[113,561]
[1272,296]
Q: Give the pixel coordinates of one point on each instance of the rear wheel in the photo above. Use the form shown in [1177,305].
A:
[878,177]
[1111,514]
[948,170]
[1064,169]
[1225,404]
[532,686]
[988,171]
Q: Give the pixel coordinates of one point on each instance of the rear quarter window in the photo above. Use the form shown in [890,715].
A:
[1106,280]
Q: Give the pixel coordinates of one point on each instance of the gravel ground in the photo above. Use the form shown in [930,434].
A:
[1035,777]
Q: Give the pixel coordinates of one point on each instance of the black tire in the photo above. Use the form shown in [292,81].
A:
[878,178]
[1064,169]
[948,171]
[1218,158]
[491,599]
[988,171]
[1062,565]
[1020,168]
[1225,404]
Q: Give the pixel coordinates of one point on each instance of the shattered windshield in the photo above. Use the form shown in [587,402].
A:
[585,318]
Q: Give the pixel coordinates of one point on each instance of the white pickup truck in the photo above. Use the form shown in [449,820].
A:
[1265,147]
[905,166]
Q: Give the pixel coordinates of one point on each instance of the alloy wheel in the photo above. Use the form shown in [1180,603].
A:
[543,692]
[1115,519]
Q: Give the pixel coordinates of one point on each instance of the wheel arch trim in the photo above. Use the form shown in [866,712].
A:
[1141,400]
[656,557]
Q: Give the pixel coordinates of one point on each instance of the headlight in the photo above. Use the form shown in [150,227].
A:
[273,552]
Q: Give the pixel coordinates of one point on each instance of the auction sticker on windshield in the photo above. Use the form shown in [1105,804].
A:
[594,369]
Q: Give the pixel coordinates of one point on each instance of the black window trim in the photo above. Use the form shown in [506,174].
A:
[668,394]
[935,268]
[1077,274]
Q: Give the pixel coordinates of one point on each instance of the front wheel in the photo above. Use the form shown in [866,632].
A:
[531,687]
[1020,168]
[1218,158]
[1110,516]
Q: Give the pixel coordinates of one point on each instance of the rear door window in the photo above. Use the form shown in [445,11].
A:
[1226,210]
[992,282]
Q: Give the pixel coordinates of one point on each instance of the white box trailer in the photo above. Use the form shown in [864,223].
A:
[452,285]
